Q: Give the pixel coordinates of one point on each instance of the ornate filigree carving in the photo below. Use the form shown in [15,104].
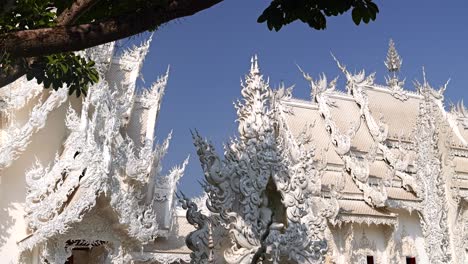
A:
[320,91]
[358,167]
[461,236]
[433,214]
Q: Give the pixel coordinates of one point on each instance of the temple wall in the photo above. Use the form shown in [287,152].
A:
[376,236]
[44,144]
[351,242]
[355,241]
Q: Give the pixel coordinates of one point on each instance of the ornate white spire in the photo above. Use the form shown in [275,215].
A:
[244,189]
[393,61]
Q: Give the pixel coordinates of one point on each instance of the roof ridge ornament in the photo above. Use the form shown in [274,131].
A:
[320,86]
[393,63]
[425,89]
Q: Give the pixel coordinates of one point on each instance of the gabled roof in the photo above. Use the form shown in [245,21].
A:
[380,123]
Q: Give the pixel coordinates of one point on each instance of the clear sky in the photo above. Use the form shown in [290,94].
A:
[211,51]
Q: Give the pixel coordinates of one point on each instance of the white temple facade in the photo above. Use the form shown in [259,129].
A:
[367,173]
[81,178]
[370,174]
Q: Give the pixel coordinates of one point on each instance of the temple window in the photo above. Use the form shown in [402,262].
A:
[84,252]
[79,255]
[370,259]
[410,260]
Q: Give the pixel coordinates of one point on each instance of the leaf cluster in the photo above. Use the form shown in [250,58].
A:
[64,68]
[315,12]
[56,70]
[27,14]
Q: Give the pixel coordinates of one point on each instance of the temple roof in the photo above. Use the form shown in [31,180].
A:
[359,212]
[380,122]
[344,114]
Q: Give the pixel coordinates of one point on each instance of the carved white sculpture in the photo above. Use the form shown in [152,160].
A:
[263,163]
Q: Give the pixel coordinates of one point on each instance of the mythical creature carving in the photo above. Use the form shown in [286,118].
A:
[460,112]
[357,167]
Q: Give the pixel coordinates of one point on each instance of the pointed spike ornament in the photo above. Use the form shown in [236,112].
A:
[254,69]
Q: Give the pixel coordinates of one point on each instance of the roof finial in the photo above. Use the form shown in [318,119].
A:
[393,61]
[254,65]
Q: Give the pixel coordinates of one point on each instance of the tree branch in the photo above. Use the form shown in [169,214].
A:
[39,42]
[75,11]
[68,16]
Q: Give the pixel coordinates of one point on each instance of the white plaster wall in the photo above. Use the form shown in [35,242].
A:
[379,235]
[411,224]
[376,234]
[44,144]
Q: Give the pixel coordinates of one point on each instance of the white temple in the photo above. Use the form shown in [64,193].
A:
[375,174]
[371,174]
[81,178]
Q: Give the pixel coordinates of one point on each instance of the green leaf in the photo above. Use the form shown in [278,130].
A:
[29,75]
[315,12]
[94,77]
[356,15]
[64,67]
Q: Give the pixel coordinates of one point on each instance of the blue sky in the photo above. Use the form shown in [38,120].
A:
[211,51]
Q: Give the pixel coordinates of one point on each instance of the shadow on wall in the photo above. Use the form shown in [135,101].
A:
[12,199]
[6,222]
[43,147]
